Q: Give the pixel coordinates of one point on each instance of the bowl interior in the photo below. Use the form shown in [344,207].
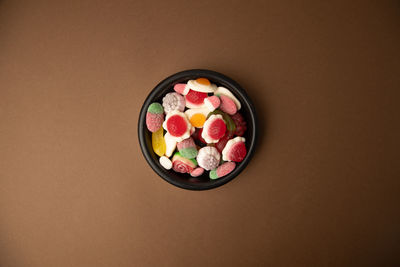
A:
[185,180]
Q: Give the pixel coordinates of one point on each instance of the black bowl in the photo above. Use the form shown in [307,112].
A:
[185,180]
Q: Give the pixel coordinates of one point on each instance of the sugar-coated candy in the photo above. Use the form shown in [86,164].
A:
[170,144]
[224,91]
[177,125]
[158,142]
[181,164]
[173,101]
[213,129]
[235,150]
[212,102]
[201,85]
[197,172]
[195,99]
[154,117]
[222,170]
[197,116]
[181,88]
[165,162]
[241,125]
[208,158]
[220,145]
[187,148]
[227,105]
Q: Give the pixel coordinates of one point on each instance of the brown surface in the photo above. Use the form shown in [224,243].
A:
[323,187]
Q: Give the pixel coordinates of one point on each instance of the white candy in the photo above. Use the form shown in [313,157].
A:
[170,143]
[223,91]
[228,146]
[188,125]
[166,162]
[206,125]
[195,86]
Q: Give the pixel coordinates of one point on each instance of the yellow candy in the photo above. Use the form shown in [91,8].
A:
[158,142]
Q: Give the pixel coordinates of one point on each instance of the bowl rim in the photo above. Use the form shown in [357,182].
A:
[212,75]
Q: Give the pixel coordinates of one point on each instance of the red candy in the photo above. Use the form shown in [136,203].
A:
[238,152]
[176,125]
[240,124]
[225,168]
[217,129]
[220,145]
[154,121]
[227,105]
[195,98]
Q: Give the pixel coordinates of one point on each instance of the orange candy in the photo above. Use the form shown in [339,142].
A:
[197,120]
[203,81]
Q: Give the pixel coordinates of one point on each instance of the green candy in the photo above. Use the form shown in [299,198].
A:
[189,152]
[155,108]
[213,174]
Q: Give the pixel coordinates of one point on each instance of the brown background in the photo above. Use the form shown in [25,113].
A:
[322,189]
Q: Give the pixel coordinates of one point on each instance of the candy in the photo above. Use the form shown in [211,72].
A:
[197,172]
[154,117]
[235,150]
[224,91]
[212,102]
[177,125]
[181,88]
[208,158]
[214,128]
[170,144]
[222,170]
[197,116]
[240,123]
[230,125]
[158,142]
[201,85]
[227,105]
[165,162]
[220,145]
[187,148]
[195,99]
[181,164]
[173,101]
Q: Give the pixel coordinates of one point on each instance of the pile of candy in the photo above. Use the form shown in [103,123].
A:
[203,129]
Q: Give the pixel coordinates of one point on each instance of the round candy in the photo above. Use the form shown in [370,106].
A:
[181,164]
[197,116]
[177,125]
[173,101]
[208,158]
[213,129]
[202,85]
